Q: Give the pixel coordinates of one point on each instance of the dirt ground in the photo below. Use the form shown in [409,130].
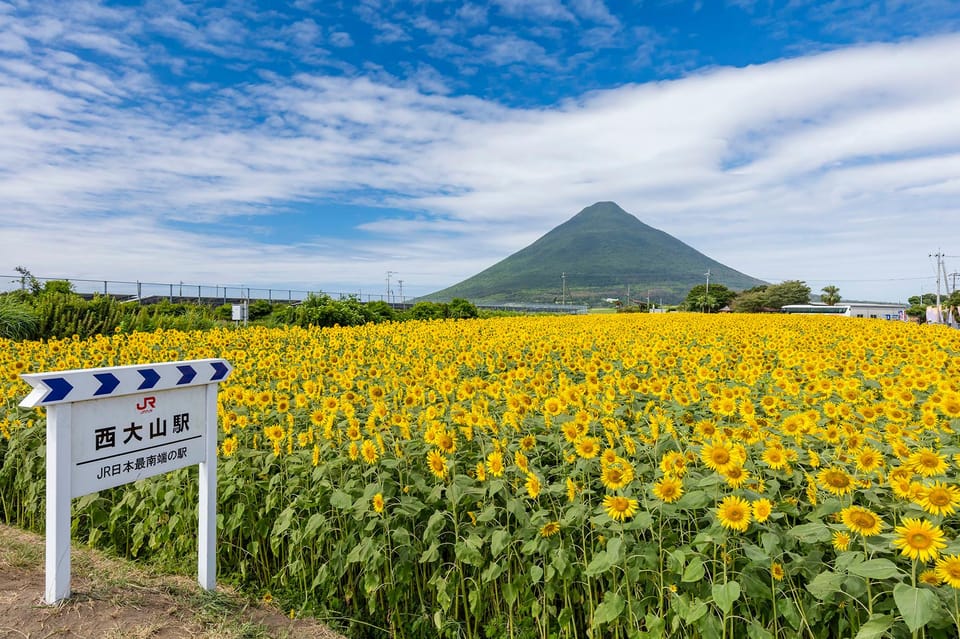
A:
[116,599]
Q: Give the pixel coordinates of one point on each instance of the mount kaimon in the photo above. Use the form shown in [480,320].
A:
[600,253]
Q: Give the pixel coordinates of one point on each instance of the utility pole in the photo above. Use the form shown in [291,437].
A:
[939,257]
[389,273]
[401,290]
[563,289]
[706,295]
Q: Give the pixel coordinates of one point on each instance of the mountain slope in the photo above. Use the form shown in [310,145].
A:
[597,253]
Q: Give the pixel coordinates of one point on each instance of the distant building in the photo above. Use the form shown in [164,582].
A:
[874,310]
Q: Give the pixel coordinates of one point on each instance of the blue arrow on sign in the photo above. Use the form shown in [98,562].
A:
[108,381]
[221,371]
[59,388]
[150,378]
[188,374]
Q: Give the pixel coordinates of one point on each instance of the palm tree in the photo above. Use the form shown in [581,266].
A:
[831,295]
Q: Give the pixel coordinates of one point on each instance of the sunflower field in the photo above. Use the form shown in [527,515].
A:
[549,477]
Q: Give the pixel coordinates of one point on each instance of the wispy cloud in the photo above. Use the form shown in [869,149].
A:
[793,168]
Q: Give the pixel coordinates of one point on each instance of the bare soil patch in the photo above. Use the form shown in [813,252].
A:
[112,598]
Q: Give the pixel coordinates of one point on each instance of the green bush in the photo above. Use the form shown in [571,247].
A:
[17,319]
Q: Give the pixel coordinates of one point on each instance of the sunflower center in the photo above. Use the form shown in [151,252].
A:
[919,541]
[720,456]
[938,497]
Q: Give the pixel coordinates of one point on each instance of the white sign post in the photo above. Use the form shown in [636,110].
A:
[112,426]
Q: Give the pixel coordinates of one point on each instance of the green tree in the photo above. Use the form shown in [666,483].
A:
[830,296]
[752,301]
[700,299]
[788,292]
[460,308]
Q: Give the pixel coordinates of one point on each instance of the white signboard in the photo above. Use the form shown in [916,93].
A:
[122,439]
[112,426]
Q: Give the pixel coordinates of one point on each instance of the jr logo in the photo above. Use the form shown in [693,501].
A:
[147,405]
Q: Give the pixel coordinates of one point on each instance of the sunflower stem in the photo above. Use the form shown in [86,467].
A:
[866,556]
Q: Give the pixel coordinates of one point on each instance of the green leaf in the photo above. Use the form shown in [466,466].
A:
[755,553]
[875,628]
[313,524]
[434,525]
[466,553]
[600,564]
[917,605]
[536,572]
[615,549]
[510,593]
[756,631]
[697,610]
[341,500]
[608,610]
[694,500]
[675,561]
[491,572]
[770,542]
[499,541]
[430,554]
[875,569]
[725,594]
[816,531]
[694,570]
[825,584]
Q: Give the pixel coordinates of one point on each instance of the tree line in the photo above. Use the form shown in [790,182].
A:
[773,297]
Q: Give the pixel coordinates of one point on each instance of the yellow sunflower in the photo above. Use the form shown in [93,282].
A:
[929,577]
[437,464]
[617,474]
[533,485]
[378,503]
[776,571]
[939,499]
[619,508]
[550,529]
[918,539]
[948,570]
[836,481]
[734,513]
[841,540]
[368,451]
[927,462]
[229,446]
[668,490]
[495,463]
[862,521]
[761,509]
[868,459]
[588,447]
[719,455]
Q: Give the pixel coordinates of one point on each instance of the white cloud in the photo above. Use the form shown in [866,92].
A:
[535,9]
[840,165]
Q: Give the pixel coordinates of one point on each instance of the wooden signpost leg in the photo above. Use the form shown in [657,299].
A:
[58,504]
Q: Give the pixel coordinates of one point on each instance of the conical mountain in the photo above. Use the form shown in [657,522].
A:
[597,254]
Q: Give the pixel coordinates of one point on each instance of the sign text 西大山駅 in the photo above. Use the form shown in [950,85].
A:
[122,439]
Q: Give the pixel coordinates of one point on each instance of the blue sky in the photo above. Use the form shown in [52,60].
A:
[322,144]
